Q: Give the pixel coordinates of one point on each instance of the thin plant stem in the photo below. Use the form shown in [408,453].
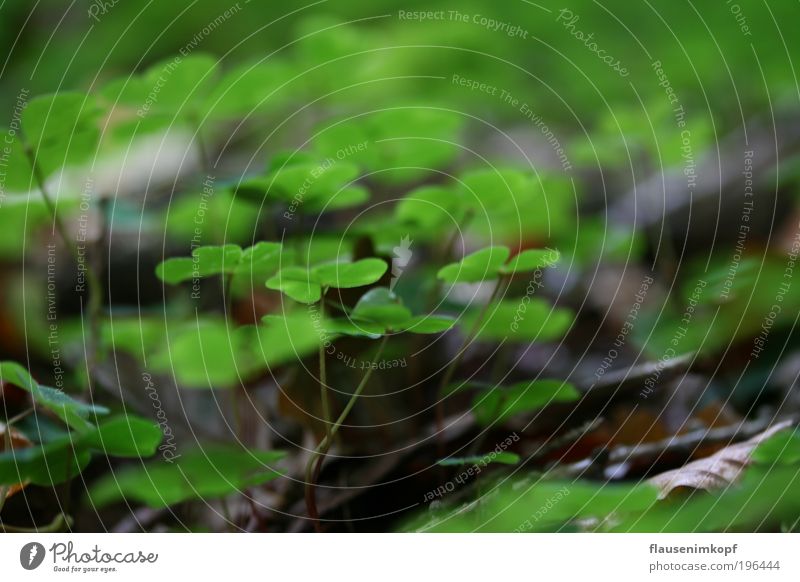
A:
[323,376]
[448,248]
[235,389]
[354,397]
[18,417]
[451,369]
[314,465]
[228,296]
[202,148]
[445,252]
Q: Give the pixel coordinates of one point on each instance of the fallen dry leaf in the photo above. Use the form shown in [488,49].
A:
[15,437]
[720,469]
[17,440]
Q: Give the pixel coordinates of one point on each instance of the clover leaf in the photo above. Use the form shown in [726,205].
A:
[518,204]
[381,306]
[502,402]
[782,448]
[183,84]
[73,412]
[431,209]
[61,130]
[338,199]
[124,436]
[350,275]
[322,185]
[425,324]
[214,260]
[18,173]
[525,320]
[248,88]
[210,353]
[238,223]
[380,311]
[297,283]
[476,267]
[202,354]
[64,457]
[490,263]
[190,87]
[352,328]
[259,260]
[280,341]
[306,285]
[396,144]
[530,260]
[210,471]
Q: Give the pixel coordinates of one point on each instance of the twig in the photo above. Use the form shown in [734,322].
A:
[18,417]
[690,441]
[640,372]
[565,439]
[685,443]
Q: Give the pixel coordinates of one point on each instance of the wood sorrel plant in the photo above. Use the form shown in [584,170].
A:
[262,294]
[321,276]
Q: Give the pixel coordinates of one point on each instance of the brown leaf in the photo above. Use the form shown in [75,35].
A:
[17,440]
[15,437]
[720,469]
[635,426]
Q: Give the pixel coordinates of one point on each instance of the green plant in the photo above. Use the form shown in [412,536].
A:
[312,282]
[336,238]
[61,455]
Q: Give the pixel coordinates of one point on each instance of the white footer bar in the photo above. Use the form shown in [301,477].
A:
[389,557]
